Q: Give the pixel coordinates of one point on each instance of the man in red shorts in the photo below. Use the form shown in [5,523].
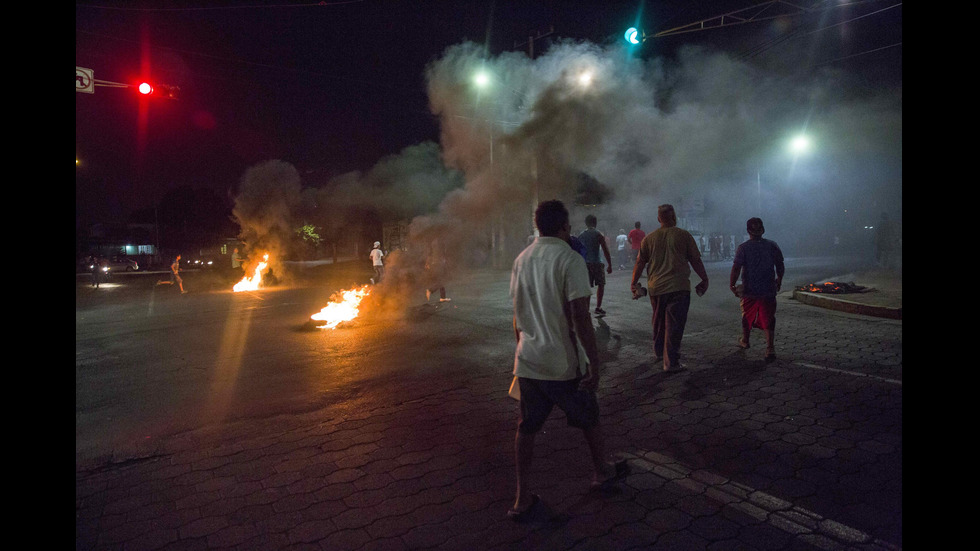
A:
[760,263]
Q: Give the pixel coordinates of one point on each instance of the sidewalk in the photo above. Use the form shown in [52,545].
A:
[882,299]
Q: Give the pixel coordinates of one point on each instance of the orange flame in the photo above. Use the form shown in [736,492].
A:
[252,284]
[826,287]
[344,309]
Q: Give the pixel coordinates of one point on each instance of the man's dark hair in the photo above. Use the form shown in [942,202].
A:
[636,225]
[550,217]
[591,221]
[666,214]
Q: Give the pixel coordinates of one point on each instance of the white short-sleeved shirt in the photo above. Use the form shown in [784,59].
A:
[621,241]
[546,276]
[376,256]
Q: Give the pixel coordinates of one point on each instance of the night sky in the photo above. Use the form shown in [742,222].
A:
[334,87]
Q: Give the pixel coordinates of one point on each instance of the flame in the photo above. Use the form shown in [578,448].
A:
[341,310]
[252,284]
[827,287]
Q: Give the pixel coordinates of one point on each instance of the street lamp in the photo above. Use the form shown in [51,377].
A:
[481,79]
[580,77]
[798,145]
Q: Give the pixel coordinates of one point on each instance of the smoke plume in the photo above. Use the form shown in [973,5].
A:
[614,136]
[268,195]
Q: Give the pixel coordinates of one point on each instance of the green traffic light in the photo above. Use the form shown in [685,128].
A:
[631,35]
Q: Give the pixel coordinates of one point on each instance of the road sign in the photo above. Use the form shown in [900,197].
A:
[84,80]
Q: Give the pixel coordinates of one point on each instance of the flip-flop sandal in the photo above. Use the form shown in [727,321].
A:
[518,515]
[622,469]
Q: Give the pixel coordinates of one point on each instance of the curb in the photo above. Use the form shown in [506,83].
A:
[847,306]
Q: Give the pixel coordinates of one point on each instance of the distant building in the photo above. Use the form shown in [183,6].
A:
[136,240]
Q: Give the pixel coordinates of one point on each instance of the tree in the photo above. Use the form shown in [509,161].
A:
[308,233]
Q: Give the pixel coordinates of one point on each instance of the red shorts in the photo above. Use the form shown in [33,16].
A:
[759,311]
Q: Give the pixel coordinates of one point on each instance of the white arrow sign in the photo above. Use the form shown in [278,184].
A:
[84,80]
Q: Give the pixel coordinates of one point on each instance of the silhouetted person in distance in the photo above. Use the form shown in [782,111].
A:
[96,267]
[435,273]
[557,358]
[760,263]
[236,263]
[377,262]
[621,251]
[635,237]
[884,241]
[669,250]
[595,242]
[175,274]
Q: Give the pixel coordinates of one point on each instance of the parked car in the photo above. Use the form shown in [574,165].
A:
[123,264]
[197,263]
[116,263]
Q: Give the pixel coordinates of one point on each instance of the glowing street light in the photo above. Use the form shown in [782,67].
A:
[482,79]
[799,144]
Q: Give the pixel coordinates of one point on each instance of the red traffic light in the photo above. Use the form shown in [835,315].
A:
[161,90]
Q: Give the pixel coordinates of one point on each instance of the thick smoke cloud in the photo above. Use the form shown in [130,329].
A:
[399,186]
[702,131]
[267,198]
[616,136]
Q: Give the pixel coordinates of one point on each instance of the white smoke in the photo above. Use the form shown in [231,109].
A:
[700,129]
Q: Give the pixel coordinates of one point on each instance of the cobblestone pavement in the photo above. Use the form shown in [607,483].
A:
[733,453]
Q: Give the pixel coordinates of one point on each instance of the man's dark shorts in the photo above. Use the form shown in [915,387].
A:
[597,273]
[539,397]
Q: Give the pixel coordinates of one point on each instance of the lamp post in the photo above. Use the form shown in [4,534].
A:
[483,80]
[581,79]
[798,145]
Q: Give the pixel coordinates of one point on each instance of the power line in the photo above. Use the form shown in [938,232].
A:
[858,54]
[372,84]
[214,8]
[798,33]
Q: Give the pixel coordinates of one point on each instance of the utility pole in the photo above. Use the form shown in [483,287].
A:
[532,38]
[534,160]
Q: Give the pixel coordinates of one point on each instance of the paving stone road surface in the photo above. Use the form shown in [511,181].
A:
[734,453]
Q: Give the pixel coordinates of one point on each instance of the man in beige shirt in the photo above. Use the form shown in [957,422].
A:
[669,250]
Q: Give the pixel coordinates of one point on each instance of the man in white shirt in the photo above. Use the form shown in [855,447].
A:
[557,359]
[621,241]
[376,260]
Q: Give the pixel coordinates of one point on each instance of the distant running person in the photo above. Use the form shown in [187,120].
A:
[175,274]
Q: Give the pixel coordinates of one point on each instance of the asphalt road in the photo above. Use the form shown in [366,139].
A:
[151,362]
[225,420]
